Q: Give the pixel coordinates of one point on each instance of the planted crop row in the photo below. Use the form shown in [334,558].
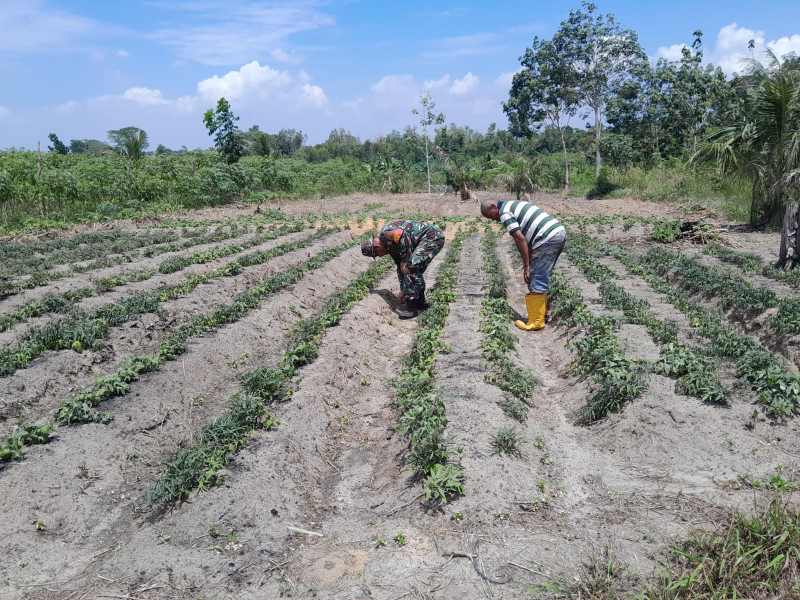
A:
[732,290]
[264,216]
[63,302]
[81,407]
[696,278]
[14,250]
[497,340]
[420,402]
[40,278]
[777,388]
[172,265]
[697,374]
[582,221]
[124,242]
[753,263]
[620,379]
[220,235]
[9,288]
[197,466]
[87,331]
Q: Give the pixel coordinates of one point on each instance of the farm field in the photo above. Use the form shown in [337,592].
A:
[223,404]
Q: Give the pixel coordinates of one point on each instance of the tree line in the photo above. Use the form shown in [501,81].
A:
[587,113]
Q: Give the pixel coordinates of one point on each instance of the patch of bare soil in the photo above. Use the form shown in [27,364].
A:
[325,504]
[55,376]
[86,279]
[83,280]
[660,467]
[93,476]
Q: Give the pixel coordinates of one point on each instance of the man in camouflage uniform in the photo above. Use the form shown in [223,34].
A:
[412,245]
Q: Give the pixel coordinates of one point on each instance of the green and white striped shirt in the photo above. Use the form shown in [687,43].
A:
[536,225]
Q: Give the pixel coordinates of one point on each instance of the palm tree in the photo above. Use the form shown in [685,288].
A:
[133,145]
[523,175]
[765,144]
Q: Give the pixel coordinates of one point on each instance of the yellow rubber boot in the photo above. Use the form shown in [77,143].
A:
[537,306]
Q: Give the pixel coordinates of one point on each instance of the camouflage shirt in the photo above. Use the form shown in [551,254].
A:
[408,241]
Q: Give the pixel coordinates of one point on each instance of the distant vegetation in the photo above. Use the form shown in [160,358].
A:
[677,131]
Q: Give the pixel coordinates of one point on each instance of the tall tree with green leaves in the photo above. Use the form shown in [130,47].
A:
[544,91]
[58,146]
[428,118]
[764,146]
[129,141]
[221,123]
[604,54]
[696,96]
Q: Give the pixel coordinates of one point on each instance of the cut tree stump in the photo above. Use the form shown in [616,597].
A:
[790,237]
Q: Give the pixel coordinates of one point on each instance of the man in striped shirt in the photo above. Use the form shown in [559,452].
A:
[540,239]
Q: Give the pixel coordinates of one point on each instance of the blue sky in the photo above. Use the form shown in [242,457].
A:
[80,68]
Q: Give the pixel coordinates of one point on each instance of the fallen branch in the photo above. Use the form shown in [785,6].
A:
[304,531]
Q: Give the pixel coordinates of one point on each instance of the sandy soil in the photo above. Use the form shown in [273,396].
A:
[336,466]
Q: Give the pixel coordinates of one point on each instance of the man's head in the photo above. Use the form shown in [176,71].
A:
[373,247]
[490,210]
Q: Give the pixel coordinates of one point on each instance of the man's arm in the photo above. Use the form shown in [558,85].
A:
[522,248]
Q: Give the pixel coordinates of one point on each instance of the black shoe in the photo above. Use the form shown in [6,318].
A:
[407,312]
[420,301]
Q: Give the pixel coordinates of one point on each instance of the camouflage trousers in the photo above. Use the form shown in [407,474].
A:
[414,283]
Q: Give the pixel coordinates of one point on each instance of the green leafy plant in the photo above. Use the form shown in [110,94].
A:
[666,231]
[444,481]
[509,441]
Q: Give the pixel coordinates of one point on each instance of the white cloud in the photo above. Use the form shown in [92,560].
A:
[186,104]
[232,33]
[144,96]
[32,26]
[731,47]
[785,45]
[314,96]
[392,85]
[432,84]
[4,112]
[504,80]
[353,104]
[479,44]
[285,57]
[466,85]
[123,54]
[252,79]
[671,53]
[66,107]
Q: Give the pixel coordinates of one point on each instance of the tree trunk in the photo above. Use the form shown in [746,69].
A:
[566,161]
[790,237]
[597,159]
[427,162]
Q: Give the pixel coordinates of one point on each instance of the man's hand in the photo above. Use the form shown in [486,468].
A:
[405,269]
[524,254]
[402,297]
